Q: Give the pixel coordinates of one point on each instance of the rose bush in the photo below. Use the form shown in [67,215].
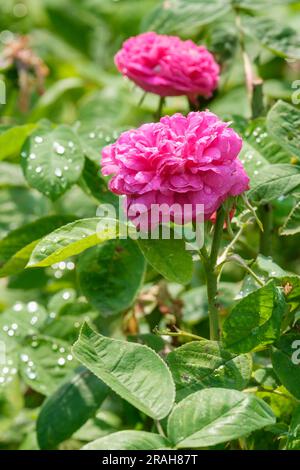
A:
[115,338]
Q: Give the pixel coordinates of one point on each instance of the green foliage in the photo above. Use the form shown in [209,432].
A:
[52,160]
[129,440]
[72,404]
[283,122]
[285,362]
[106,337]
[255,320]
[169,257]
[203,364]
[216,415]
[111,274]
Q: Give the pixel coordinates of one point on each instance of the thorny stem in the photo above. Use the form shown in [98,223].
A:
[211,273]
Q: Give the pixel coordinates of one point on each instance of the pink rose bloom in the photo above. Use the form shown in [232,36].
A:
[168,66]
[179,160]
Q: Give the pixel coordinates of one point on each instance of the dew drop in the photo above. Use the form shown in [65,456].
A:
[38,169]
[58,148]
[38,139]
[92,135]
[32,375]
[10,332]
[32,156]
[66,295]
[62,350]
[32,307]
[24,357]
[18,307]
[14,326]
[58,172]
[69,357]
[61,361]
[33,320]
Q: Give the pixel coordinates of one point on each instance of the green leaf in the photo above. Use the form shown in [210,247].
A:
[266,378]
[293,437]
[52,160]
[69,408]
[61,299]
[153,341]
[286,360]
[8,370]
[184,16]
[94,137]
[202,364]
[275,181]
[70,240]
[169,257]
[132,370]
[11,175]
[292,223]
[216,415]
[12,139]
[110,275]
[283,122]
[258,136]
[270,268]
[255,321]
[129,440]
[17,246]
[253,161]
[45,363]
[22,319]
[94,185]
[282,40]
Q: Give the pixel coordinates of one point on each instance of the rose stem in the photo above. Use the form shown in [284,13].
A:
[160,107]
[209,262]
